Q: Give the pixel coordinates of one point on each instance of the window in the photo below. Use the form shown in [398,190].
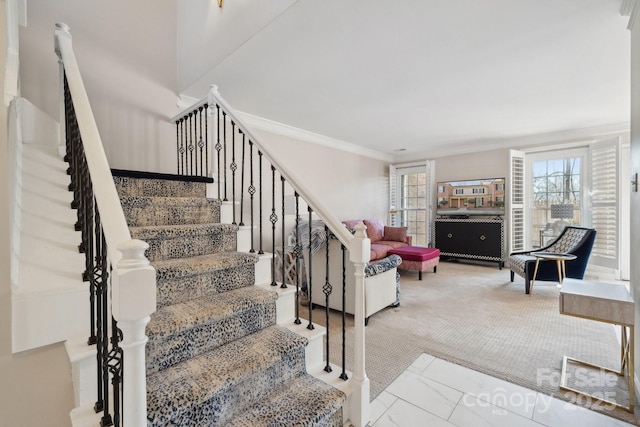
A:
[478,191]
[411,197]
[556,194]
[459,191]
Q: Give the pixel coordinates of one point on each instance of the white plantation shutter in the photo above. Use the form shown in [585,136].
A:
[516,201]
[604,157]
[393,196]
[430,169]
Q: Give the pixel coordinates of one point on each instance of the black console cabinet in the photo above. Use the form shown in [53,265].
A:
[480,239]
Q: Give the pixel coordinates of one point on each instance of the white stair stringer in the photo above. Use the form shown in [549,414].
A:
[244,239]
[333,378]
[49,302]
[315,364]
[285,304]
[83,371]
[263,268]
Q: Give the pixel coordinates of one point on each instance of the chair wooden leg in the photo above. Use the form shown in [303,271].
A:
[512,274]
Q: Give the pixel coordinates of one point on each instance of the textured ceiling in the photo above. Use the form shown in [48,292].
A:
[433,77]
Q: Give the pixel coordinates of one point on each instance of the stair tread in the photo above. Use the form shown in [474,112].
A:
[302,401]
[170,200]
[178,267]
[172,392]
[151,231]
[207,309]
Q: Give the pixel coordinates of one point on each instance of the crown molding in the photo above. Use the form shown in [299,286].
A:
[285,130]
[630,8]
[573,137]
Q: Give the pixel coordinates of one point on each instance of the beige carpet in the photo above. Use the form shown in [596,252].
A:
[472,315]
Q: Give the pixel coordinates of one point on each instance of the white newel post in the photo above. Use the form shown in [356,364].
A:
[360,253]
[134,299]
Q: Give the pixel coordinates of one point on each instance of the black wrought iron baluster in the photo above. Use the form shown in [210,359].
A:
[233,168]
[183,144]
[115,365]
[274,219]
[102,344]
[224,152]
[344,375]
[190,146]
[201,143]
[284,243]
[327,288]
[218,149]
[310,284]
[87,207]
[298,253]
[206,140]
[80,203]
[260,251]
[242,182]
[252,191]
[178,146]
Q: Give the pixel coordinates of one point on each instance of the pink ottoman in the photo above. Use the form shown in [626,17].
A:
[417,258]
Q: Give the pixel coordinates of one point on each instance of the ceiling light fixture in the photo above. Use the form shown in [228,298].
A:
[220,3]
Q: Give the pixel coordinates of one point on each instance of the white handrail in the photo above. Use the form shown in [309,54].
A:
[133,280]
[327,216]
[113,220]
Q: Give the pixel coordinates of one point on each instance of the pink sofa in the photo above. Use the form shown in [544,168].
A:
[383,238]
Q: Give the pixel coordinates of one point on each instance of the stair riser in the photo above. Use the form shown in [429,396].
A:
[145,212]
[176,290]
[181,246]
[221,407]
[158,188]
[166,352]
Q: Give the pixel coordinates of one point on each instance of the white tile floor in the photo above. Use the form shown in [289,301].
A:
[433,392]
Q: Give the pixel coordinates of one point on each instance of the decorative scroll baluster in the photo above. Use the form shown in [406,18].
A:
[284,239]
[252,191]
[103,318]
[233,168]
[201,144]
[218,149]
[242,182]
[183,144]
[310,284]
[206,140]
[224,153]
[260,251]
[115,364]
[344,375]
[327,288]
[274,219]
[178,146]
[297,250]
[190,145]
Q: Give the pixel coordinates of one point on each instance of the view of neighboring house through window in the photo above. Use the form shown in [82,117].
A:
[556,196]
[410,194]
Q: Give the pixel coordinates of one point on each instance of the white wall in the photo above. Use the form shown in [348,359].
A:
[207,34]
[351,186]
[127,55]
[36,385]
[635,168]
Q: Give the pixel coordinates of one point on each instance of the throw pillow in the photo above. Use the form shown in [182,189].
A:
[351,225]
[375,229]
[395,234]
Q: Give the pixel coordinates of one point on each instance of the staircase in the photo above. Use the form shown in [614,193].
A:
[216,354]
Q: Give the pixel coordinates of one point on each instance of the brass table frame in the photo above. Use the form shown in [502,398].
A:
[626,360]
[560,263]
